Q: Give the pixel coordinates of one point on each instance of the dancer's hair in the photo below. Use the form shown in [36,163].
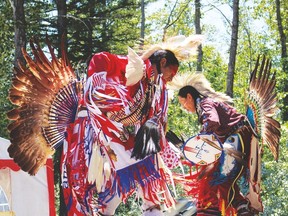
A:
[156,57]
[184,91]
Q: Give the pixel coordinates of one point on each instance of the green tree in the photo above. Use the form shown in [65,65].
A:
[6,62]
[275,180]
[104,25]
[198,30]
[19,29]
[233,48]
[95,26]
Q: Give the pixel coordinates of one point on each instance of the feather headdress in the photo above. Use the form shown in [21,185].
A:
[183,47]
[200,83]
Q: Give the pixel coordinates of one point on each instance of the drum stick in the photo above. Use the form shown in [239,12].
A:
[211,143]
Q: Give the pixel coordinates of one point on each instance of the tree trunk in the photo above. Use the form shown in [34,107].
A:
[20,31]
[62,38]
[198,31]
[284,57]
[233,48]
[104,33]
[142,34]
[90,45]
[62,25]
[142,19]
[282,36]
[57,180]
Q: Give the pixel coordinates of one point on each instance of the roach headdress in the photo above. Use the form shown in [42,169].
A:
[200,83]
[184,48]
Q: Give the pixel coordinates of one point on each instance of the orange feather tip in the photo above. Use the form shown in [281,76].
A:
[16,100]
[13,114]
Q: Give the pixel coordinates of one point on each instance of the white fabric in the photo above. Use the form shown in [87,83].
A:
[111,206]
[4,143]
[114,203]
[153,212]
[27,195]
[134,69]
[123,156]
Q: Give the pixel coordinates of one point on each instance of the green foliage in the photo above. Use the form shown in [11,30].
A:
[38,23]
[173,19]
[98,26]
[6,66]
[180,121]
[94,26]
[275,180]
[5,104]
[131,208]
[214,68]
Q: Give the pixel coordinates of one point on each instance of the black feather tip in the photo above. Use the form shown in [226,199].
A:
[147,140]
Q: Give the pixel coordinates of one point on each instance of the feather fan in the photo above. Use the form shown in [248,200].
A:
[261,106]
[45,93]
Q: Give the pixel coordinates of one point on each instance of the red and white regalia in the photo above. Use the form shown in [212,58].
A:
[97,153]
[98,119]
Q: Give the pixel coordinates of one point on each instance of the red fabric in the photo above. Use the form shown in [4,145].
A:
[151,191]
[10,164]
[50,183]
[115,66]
[210,196]
[76,170]
[130,143]
[169,157]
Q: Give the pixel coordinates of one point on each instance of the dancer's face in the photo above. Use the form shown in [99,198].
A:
[188,103]
[168,72]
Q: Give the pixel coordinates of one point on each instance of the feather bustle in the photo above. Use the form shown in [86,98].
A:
[263,96]
[34,88]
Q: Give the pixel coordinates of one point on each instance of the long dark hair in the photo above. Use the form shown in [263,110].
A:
[190,90]
[156,57]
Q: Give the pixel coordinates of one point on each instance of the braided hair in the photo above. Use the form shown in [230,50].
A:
[156,57]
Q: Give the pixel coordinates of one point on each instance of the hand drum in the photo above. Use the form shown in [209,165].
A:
[202,149]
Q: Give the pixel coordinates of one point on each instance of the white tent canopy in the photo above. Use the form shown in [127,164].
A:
[22,194]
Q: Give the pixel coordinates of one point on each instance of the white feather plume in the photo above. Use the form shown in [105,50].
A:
[184,48]
[200,83]
[95,170]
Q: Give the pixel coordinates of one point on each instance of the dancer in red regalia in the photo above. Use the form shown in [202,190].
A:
[112,124]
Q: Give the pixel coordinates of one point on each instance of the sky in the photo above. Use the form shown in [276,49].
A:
[212,17]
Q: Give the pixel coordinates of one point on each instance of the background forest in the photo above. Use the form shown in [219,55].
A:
[236,32]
